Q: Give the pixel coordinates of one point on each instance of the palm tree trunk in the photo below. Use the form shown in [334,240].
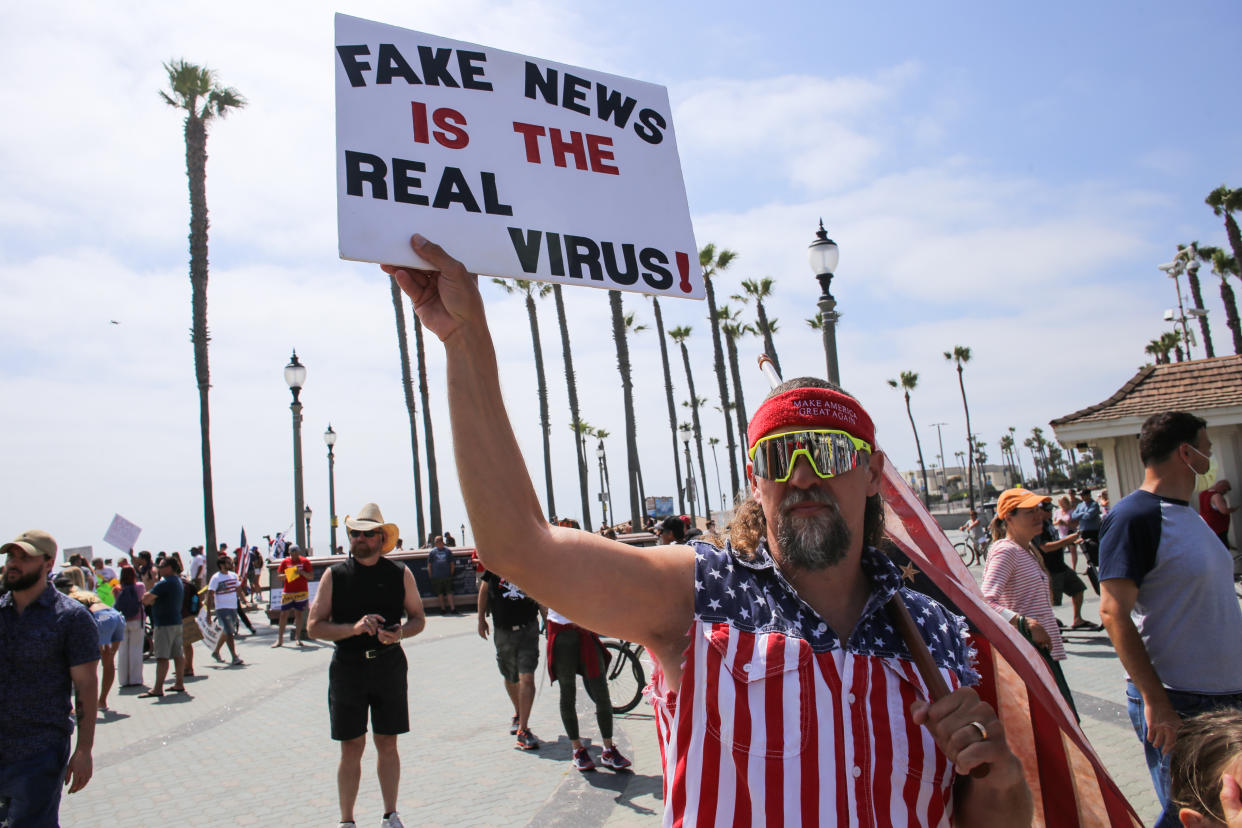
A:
[1235,237]
[544,423]
[627,390]
[768,344]
[1231,314]
[918,447]
[722,382]
[572,385]
[970,441]
[740,404]
[698,432]
[196,172]
[672,409]
[407,386]
[433,479]
[1192,276]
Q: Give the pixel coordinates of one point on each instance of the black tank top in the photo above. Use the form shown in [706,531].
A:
[361,590]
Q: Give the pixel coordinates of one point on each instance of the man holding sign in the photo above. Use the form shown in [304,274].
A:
[779,688]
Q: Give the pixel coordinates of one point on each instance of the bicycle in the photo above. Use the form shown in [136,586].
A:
[626,677]
[970,552]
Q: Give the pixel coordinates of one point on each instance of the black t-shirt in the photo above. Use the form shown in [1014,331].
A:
[1055,561]
[509,605]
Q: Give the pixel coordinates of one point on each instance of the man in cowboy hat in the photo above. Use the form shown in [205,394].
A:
[781,687]
[359,605]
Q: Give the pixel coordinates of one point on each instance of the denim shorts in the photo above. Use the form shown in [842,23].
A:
[228,620]
[111,626]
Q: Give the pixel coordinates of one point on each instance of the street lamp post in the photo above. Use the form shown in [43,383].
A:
[605,497]
[944,478]
[295,376]
[329,439]
[823,255]
[686,430]
[307,514]
[713,442]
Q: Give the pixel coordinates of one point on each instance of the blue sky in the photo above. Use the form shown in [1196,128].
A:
[996,177]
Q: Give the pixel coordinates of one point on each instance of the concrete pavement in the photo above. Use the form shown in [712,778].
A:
[249,745]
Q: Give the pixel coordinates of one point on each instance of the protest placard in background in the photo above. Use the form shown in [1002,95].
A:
[519,167]
[84,551]
[122,534]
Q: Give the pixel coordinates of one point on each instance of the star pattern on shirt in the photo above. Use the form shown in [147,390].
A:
[908,572]
[754,597]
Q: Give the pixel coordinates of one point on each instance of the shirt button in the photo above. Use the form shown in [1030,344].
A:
[857,771]
[851,698]
[745,668]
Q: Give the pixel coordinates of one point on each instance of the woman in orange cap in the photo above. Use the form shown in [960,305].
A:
[1016,580]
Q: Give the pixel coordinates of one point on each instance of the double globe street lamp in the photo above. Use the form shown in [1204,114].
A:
[823,255]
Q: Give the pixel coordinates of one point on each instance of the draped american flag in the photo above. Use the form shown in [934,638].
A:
[1070,785]
[243,564]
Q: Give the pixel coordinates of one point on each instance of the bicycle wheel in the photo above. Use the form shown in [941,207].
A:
[965,552]
[625,677]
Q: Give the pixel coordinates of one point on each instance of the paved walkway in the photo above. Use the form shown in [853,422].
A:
[249,745]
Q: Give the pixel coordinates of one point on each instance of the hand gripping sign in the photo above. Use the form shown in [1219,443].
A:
[521,167]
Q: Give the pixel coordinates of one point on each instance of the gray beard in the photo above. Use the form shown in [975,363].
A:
[811,543]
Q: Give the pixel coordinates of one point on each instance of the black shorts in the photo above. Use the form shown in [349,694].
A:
[357,685]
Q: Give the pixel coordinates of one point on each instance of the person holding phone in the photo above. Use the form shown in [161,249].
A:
[359,605]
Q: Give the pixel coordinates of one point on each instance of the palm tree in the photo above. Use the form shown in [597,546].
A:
[758,290]
[633,327]
[909,380]
[1190,253]
[433,477]
[816,322]
[679,335]
[582,430]
[603,435]
[672,408]
[713,262]
[194,90]
[981,460]
[732,327]
[1029,442]
[1017,460]
[407,386]
[713,442]
[1225,202]
[1159,349]
[1006,447]
[627,392]
[961,355]
[1040,446]
[575,421]
[530,290]
[1222,265]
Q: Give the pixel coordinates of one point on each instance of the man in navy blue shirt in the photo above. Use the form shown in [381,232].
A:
[165,601]
[47,642]
[1167,596]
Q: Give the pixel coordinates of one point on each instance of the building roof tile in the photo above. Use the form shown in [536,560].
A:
[1180,386]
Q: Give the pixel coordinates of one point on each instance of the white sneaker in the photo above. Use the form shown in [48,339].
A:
[393,821]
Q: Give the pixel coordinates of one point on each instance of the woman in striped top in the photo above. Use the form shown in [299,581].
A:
[1016,581]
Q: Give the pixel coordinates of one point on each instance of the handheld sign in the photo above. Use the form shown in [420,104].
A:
[122,534]
[518,166]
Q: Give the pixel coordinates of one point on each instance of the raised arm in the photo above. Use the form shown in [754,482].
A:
[643,595]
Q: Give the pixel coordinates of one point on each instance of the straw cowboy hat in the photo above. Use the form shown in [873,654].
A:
[369,517]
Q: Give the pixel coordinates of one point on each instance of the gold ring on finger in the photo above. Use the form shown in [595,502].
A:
[983,731]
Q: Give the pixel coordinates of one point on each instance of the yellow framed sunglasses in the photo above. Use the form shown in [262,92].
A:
[829,451]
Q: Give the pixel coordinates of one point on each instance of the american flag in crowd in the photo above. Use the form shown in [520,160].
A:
[1070,784]
[243,565]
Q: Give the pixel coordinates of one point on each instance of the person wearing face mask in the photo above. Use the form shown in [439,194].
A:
[1167,598]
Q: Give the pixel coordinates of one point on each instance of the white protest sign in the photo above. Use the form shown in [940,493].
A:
[84,551]
[519,167]
[122,534]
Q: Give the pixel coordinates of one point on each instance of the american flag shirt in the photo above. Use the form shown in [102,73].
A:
[779,722]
